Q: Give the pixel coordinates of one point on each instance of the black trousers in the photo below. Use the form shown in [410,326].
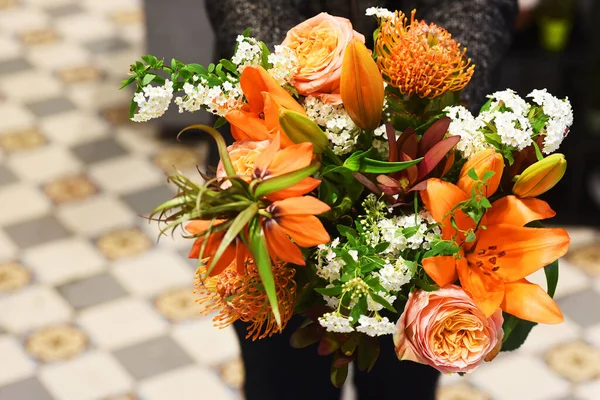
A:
[277,371]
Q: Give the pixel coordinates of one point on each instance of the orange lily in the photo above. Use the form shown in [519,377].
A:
[235,251]
[294,218]
[492,269]
[274,162]
[259,118]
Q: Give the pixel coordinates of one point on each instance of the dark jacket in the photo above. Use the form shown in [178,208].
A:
[483,26]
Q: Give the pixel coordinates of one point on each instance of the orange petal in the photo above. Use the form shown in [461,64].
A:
[306,185]
[515,211]
[487,291]
[224,261]
[530,302]
[440,197]
[306,230]
[198,226]
[306,205]
[481,162]
[280,246]
[516,251]
[212,243]
[264,160]
[255,80]
[442,269]
[253,127]
[291,159]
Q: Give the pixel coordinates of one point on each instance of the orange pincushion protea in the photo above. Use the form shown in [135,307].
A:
[241,297]
[420,58]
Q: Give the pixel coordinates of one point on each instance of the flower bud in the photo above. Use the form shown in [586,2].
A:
[482,162]
[540,177]
[301,129]
[361,86]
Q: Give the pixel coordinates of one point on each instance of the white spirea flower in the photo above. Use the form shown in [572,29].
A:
[463,123]
[393,277]
[372,305]
[514,129]
[560,115]
[335,322]
[511,100]
[248,52]
[284,65]
[339,128]
[332,302]
[328,263]
[375,327]
[379,12]
[353,254]
[217,99]
[153,101]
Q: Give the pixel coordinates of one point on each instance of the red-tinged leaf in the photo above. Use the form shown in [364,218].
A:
[449,163]
[305,336]
[419,187]
[435,155]
[410,146]
[339,375]
[433,135]
[341,361]
[411,173]
[400,141]
[391,134]
[327,345]
[387,181]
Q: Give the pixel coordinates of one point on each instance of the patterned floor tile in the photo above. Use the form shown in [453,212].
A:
[185,384]
[29,388]
[588,391]
[178,304]
[542,337]
[8,249]
[92,291]
[13,355]
[39,36]
[21,18]
[32,307]
[13,276]
[70,188]
[49,264]
[91,376]
[10,48]
[232,373]
[461,392]
[36,231]
[111,326]
[56,343]
[79,74]
[123,243]
[153,357]
[576,361]
[22,139]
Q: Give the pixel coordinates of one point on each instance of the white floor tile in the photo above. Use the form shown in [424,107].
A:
[33,307]
[85,27]
[64,260]
[58,55]
[8,249]
[96,215]
[126,174]
[121,323]
[15,116]
[44,163]
[73,127]
[19,19]
[31,86]
[21,202]
[206,343]
[15,364]
[91,376]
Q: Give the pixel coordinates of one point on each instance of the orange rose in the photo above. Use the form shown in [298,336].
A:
[319,44]
[446,330]
[242,155]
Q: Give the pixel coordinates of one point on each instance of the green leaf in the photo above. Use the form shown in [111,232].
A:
[260,252]
[347,231]
[349,346]
[147,79]
[470,237]
[284,181]
[368,352]
[472,174]
[381,247]
[487,175]
[332,291]
[229,66]
[264,57]
[197,69]
[132,108]
[127,82]
[339,375]
[221,121]
[234,230]
[305,336]
[360,308]
[538,153]
[211,68]
[378,299]
[220,73]
[551,271]
[359,162]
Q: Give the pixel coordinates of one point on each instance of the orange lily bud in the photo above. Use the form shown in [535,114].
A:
[300,129]
[540,177]
[361,86]
[482,162]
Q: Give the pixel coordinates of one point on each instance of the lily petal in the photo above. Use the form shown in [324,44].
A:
[440,197]
[530,302]
[306,185]
[487,291]
[516,251]
[280,246]
[306,205]
[515,211]
[442,269]
[255,80]
[248,125]
[306,230]
[292,158]
[264,160]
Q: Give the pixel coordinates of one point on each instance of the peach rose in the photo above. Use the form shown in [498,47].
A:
[319,44]
[242,155]
[446,330]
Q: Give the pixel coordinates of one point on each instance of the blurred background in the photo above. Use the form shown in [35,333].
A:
[92,307]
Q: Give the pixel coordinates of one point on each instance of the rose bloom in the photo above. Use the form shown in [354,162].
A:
[446,330]
[242,155]
[319,44]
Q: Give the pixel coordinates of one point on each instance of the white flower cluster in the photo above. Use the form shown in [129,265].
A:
[217,99]
[335,322]
[372,305]
[393,276]
[284,65]
[153,101]
[248,52]
[338,125]
[514,129]
[463,123]
[374,326]
[560,115]
[328,263]
[379,12]
[511,100]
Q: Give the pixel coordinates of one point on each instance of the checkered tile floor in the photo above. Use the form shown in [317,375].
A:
[91,307]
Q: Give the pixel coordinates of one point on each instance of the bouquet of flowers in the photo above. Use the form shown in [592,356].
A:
[363,195]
